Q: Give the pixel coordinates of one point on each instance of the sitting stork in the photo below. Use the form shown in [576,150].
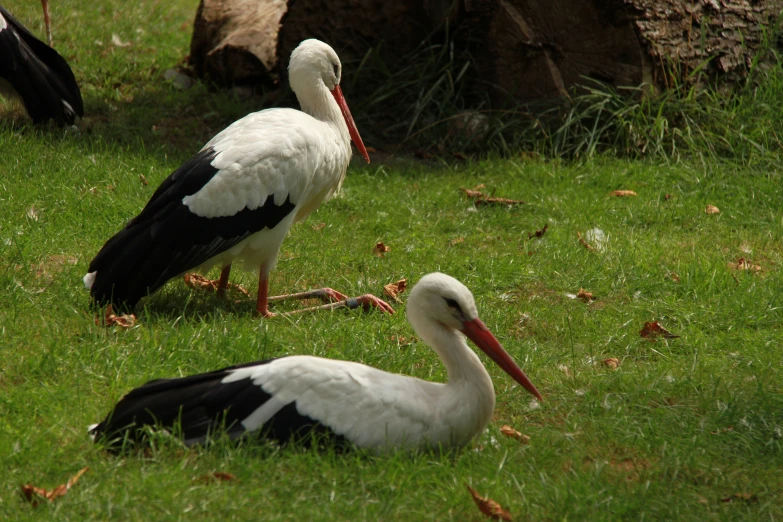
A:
[297,395]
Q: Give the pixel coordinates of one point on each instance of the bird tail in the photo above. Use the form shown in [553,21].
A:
[131,265]
[39,75]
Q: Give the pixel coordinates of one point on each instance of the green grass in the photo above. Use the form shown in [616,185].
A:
[679,426]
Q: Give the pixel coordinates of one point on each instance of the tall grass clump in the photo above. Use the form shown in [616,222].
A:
[425,101]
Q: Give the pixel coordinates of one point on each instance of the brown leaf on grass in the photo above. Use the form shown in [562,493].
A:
[712,209]
[744,264]
[319,226]
[498,201]
[508,431]
[667,197]
[34,494]
[199,282]
[456,241]
[585,244]
[611,362]
[584,295]
[143,179]
[722,430]
[215,476]
[745,497]
[622,193]
[539,233]
[652,330]
[674,277]
[703,500]
[489,507]
[110,319]
[380,249]
[404,341]
[395,289]
[472,193]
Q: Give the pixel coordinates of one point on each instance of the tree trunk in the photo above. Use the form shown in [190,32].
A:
[529,50]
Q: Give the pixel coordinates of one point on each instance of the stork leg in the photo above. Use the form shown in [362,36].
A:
[335,299]
[262,304]
[45,4]
[223,281]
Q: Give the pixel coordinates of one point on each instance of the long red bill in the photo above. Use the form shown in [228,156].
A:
[338,95]
[477,332]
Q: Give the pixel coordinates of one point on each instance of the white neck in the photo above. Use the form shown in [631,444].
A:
[319,103]
[469,395]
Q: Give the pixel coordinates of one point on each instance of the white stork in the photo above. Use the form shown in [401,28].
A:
[297,395]
[238,197]
[36,73]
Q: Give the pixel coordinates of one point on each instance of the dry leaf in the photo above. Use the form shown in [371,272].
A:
[703,500]
[395,289]
[380,249]
[744,264]
[674,277]
[404,341]
[110,319]
[32,213]
[508,431]
[498,201]
[584,295]
[722,430]
[622,193]
[539,233]
[143,179]
[712,209]
[199,282]
[585,244]
[746,497]
[215,476]
[456,241]
[319,226]
[652,330]
[116,40]
[489,507]
[611,362]
[472,193]
[667,197]
[32,493]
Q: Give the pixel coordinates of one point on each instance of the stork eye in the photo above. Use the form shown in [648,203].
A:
[336,70]
[453,304]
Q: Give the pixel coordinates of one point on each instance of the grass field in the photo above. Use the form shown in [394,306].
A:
[689,428]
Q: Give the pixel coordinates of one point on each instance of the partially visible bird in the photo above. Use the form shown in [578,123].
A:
[297,395]
[238,197]
[36,73]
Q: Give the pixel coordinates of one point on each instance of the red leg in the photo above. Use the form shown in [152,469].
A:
[45,4]
[223,281]
[262,305]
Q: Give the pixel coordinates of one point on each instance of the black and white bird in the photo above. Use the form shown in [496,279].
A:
[293,396]
[238,197]
[36,73]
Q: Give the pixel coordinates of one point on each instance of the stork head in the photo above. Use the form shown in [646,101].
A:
[315,64]
[440,299]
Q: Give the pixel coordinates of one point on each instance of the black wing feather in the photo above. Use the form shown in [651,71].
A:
[201,405]
[40,76]
[167,239]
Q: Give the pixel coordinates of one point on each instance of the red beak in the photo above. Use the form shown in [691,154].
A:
[357,140]
[477,332]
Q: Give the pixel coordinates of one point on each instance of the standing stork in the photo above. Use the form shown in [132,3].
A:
[296,395]
[238,197]
[36,73]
